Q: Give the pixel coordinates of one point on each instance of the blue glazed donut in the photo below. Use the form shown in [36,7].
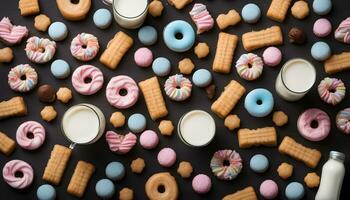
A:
[259,102]
[185,32]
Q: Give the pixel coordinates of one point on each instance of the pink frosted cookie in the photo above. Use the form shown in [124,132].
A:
[22,78]
[30,135]
[166,157]
[84,47]
[11,34]
[202,18]
[122,92]
[272,56]
[120,144]
[143,57]
[14,167]
[201,184]
[269,189]
[40,50]
[149,139]
[87,79]
[314,124]
[322,27]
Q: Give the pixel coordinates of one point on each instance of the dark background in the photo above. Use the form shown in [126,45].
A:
[99,154]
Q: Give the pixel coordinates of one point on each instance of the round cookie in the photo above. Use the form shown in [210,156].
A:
[166,157]
[137,123]
[46,192]
[58,31]
[149,139]
[259,163]
[202,78]
[105,188]
[272,56]
[300,9]
[102,18]
[60,69]
[201,184]
[320,51]
[185,169]
[322,7]
[322,27]
[251,13]
[115,171]
[294,191]
[269,189]
[161,66]
[143,57]
[147,35]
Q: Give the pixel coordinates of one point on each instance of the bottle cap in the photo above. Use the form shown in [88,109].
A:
[337,155]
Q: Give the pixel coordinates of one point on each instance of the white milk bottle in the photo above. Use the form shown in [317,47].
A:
[333,172]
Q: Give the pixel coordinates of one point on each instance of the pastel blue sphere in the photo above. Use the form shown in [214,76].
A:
[294,191]
[251,13]
[137,123]
[259,163]
[115,171]
[105,188]
[46,192]
[320,51]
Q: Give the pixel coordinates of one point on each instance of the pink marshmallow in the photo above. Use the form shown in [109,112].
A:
[149,139]
[322,27]
[166,157]
[201,184]
[143,57]
[272,56]
[269,189]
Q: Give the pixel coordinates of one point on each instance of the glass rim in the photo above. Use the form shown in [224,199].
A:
[143,12]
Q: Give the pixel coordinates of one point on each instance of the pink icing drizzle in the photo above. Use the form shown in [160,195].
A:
[84,72]
[11,34]
[30,127]
[35,46]
[200,15]
[342,33]
[118,83]
[13,166]
[88,53]
[120,144]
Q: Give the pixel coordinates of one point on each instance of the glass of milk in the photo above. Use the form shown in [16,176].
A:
[295,79]
[130,14]
[196,128]
[83,124]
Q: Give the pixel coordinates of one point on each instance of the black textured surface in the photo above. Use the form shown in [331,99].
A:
[99,154]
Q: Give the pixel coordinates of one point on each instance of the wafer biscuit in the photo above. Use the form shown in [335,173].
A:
[247,193]
[179,4]
[80,178]
[225,50]
[7,145]
[266,37]
[337,63]
[231,18]
[257,137]
[57,164]
[290,147]
[13,107]
[153,97]
[228,99]
[29,7]
[116,49]
[278,10]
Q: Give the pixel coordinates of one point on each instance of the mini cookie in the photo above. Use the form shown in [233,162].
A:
[322,7]
[42,22]
[155,8]
[102,18]
[117,119]
[7,144]
[105,188]
[22,78]
[186,66]
[6,55]
[166,157]
[269,189]
[148,35]
[149,139]
[232,122]
[137,123]
[60,69]
[84,47]
[166,127]
[259,163]
[201,50]
[179,4]
[40,50]
[64,94]
[312,180]
[161,66]
[115,171]
[126,194]
[178,87]
[296,36]
[201,184]
[272,56]
[46,93]
[285,170]
[322,27]
[18,166]
[137,165]
[300,9]
[279,118]
[294,191]
[143,57]
[321,51]
[202,78]
[48,113]
[29,7]
[251,13]
[249,66]
[231,18]
[58,31]
[185,169]
[46,192]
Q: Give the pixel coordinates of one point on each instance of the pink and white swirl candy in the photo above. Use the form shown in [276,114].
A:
[40,50]
[249,66]
[14,167]
[120,144]
[178,87]
[202,18]
[343,120]
[11,34]
[30,135]
[115,88]
[87,79]
[84,47]
[342,33]
[331,90]
[22,78]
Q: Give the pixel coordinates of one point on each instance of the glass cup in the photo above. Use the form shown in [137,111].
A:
[130,14]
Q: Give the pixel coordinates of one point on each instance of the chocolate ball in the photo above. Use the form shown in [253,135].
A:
[46,93]
[297,36]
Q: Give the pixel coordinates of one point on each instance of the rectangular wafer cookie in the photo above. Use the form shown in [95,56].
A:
[337,63]
[247,193]
[13,107]
[309,156]
[57,164]
[257,137]
[278,10]
[228,99]
[153,97]
[225,50]
[80,178]
[7,145]
[116,49]
[29,7]
[266,37]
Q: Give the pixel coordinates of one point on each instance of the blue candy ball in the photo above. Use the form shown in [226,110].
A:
[60,69]
[202,78]
[105,188]
[46,192]
[58,31]
[294,191]
[251,13]
[320,51]
[259,163]
[102,18]
[322,7]
[137,123]
[148,35]
[161,66]
[115,171]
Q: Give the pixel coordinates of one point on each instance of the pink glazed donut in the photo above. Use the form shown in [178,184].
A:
[87,79]
[84,47]
[18,174]
[27,142]
[316,132]
[122,92]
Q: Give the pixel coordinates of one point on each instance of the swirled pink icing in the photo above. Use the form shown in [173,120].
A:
[40,50]
[178,87]
[342,33]
[200,15]
[15,75]
[120,144]
[89,52]
[11,34]
[114,87]
[10,169]
[82,74]
[36,129]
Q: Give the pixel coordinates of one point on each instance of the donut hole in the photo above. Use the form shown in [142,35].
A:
[84,46]
[161,189]
[41,50]
[226,163]
[332,90]
[74,1]
[19,174]
[259,102]
[249,65]
[179,36]
[123,92]
[87,80]
[314,124]
[30,135]
[178,87]
[23,77]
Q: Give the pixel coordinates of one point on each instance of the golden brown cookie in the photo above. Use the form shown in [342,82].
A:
[7,145]
[117,119]
[15,106]
[6,55]
[166,127]
[80,178]
[279,118]
[285,170]
[231,18]
[179,4]
[73,11]
[266,136]
[155,8]
[162,186]
[312,180]
[64,94]
[232,122]
[201,50]
[138,165]
[186,66]
[42,22]
[126,194]
[185,169]
[29,7]
[48,113]
[300,9]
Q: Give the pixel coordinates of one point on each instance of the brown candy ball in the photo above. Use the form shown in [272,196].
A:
[46,93]
[297,36]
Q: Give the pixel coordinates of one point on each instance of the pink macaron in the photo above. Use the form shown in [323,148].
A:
[166,157]
[143,57]
[201,184]
[272,56]
[322,27]
[269,189]
[149,139]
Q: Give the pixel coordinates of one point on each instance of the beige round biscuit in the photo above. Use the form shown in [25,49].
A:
[162,186]
[126,194]
[285,170]
[42,22]
[300,9]
[186,66]
[117,119]
[64,94]
[185,169]
[138,165]
[155,8]
[166,127]
[279,118]
[73,11]
[232,122]
[48,113]
[6,55]
[201,50]
[312,180]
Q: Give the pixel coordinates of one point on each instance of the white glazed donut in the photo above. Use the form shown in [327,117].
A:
[84,47]
[40,50]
